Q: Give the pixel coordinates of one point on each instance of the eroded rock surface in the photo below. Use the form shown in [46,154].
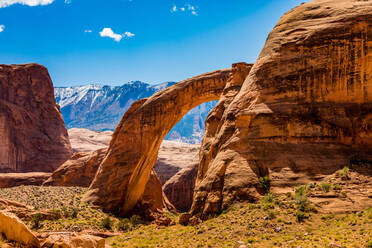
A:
[8,180]
[180,188]
[124,172]
[15,230]
[32,132]
[305,108]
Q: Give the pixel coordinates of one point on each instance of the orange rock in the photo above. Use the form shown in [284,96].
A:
[304,109]
[8,180]
[15,230]
[123,174]
[32,132]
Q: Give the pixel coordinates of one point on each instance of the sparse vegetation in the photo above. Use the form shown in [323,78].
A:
[301,197]
[264,183]
[269,197]
[326,187]
[107,223]
[344,173]
[124,225]
[36,220]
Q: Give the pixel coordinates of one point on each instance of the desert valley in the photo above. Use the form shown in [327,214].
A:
[275,153]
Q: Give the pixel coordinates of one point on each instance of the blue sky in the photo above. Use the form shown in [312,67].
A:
[116,41]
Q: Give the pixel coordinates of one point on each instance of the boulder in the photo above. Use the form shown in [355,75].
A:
[32,132]
[305,108]
[73,240]
[15,230]
[8,180]
[79,170]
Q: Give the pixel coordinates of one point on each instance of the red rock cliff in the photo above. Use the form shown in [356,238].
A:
[304,109]
[33,136]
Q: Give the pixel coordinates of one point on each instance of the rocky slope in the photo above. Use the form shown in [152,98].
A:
[303,112]
[100,108]
[32,132]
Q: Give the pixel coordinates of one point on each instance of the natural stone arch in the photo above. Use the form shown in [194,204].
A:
[122,176]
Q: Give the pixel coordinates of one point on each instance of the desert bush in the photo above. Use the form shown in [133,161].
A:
[344,173]
[264,183]
[325,187]
[270,215]
[55,214]
[36,219]
[301,216]
[106,223]
[136,220]
[301,197]
[268,198]
[369,244]
[337,187]
[124,225]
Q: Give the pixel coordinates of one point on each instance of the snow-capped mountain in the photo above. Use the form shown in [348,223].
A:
[101,107]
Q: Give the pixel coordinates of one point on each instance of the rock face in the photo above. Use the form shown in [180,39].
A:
[8,180]
[15,230]
[304,109]
[73,240]
[32,132]
[124,172]
[79,170]
[180,188]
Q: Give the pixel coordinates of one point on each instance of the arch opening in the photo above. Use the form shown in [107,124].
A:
[123,174]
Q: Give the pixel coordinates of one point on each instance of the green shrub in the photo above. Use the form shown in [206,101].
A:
[301,197]
[106,223]
[264,183]
[136,220]
[55,214]
[36,219]
[369,244]
[344,173]
[313,209]
[337,187]
[270,215]
[74,212]
[301,216]
[269,198]
[325,187]
[124,225]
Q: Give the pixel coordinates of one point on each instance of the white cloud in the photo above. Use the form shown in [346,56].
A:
[87,31]
[186,8]
[6,3]
[2,27]
[68,1]
[129,34]
[107,32]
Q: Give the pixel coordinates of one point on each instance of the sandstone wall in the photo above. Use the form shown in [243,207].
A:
[32,132]
[305,108]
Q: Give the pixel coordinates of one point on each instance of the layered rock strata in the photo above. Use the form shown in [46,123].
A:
[32,132]
[304,110]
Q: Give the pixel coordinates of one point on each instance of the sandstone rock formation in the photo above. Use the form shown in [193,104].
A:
[8,180]
[15,230]
[32,132]
[173,156]
[180,188]
[124,172]
[304,109]
[79,170]
[73,240]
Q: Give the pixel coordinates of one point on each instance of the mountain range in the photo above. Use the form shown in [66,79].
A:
[101,107]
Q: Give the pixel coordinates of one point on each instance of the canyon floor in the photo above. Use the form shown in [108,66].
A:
[334,213]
